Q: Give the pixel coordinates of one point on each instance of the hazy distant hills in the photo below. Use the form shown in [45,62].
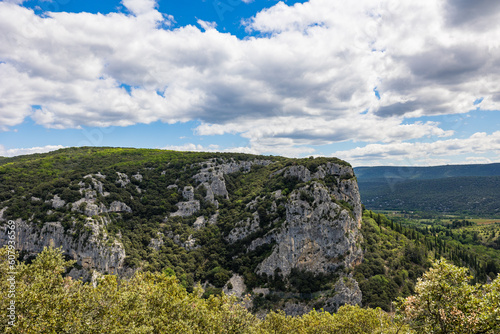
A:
[425,173]
[459,189]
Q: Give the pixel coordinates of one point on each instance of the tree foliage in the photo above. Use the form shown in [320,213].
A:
[445,302]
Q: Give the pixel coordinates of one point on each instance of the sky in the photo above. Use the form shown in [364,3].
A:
[373,82]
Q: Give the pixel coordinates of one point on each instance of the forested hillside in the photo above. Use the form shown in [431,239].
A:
[396,254]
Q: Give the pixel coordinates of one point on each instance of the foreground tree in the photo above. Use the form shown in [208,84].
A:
[445,302]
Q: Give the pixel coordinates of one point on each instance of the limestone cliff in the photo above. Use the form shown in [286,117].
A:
[319,234]
[84,239]
[92,248]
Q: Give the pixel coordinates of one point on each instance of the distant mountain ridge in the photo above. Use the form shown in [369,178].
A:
[425,173]
[458,189]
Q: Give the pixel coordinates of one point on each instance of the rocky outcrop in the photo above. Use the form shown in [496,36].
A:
[347,292]
[57,202]
[211,176]
[319,234]
[137,177]
[156,243]
[89,207]
[186,209]
[188,244]
[199,223]
[235,286]
[244,228]
[118,206]
[301,214]
[188,193]
[1,213]
[123,179]
[91,247]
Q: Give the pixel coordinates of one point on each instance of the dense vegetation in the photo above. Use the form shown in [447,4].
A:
[46,301]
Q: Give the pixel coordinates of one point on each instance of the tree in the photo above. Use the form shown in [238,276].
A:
[445,302]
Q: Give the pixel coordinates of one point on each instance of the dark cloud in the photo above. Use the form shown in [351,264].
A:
[448,65]
[472,12]
[397,109]
[312,136]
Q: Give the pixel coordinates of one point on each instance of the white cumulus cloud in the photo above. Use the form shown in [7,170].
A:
[425,153]
[31,150]
[314,73]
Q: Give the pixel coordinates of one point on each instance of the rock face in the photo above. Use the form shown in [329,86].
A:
[347,292]
[57,202]
[85,241]
[319,234]
[244,229]
[92,248]
[187,209]
[211,176]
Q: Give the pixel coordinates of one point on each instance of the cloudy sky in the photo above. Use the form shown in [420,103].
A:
[374,82]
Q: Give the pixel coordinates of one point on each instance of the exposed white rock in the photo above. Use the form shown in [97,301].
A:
[318,236]
[252,205]
[97,184]
[199,223]
[89,207]
[213,218]
[117,206]
[244,228]
[190,243]
[347,292]
[137,177]
[156,243]
[123,179]
[186,209]
[1,213]
[299,171]
[57,202]
[95,278]
[264,291]
[238,286]
[212,176]
[35,199]
[188,193]
[92,248]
